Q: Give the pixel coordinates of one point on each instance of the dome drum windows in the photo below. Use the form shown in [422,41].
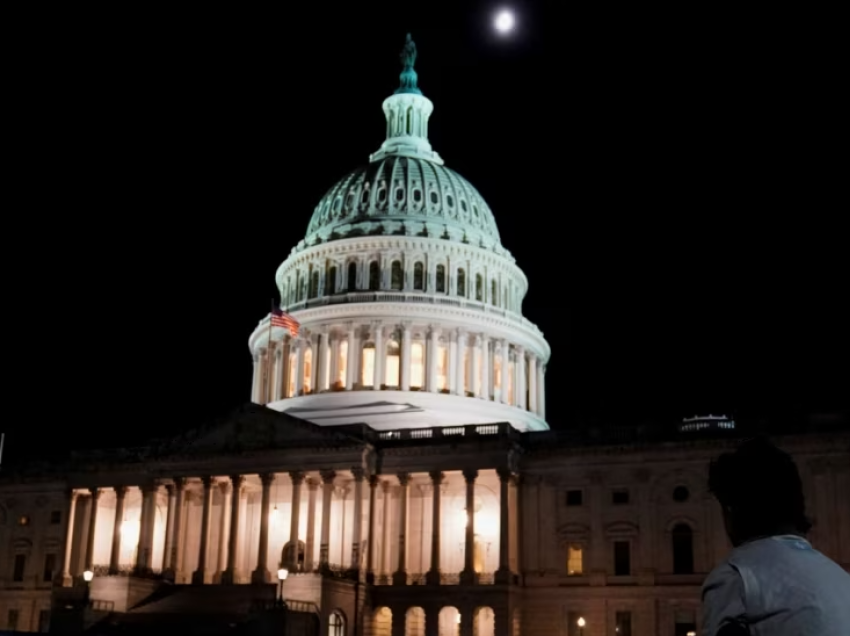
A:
[374,276]
[352,277]
[396,276]
[399,195]
[461,282]
[417,196]
[435,197]
[479,288]
[441,279]
[419,277]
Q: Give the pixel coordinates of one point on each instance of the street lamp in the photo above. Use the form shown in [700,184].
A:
[282,573]
[581,623]
[88,575]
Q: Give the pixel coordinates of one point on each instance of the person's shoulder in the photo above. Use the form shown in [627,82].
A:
[723,575]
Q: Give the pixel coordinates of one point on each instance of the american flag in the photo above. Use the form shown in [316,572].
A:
[282,319]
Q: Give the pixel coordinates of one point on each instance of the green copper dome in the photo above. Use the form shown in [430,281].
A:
[405,190]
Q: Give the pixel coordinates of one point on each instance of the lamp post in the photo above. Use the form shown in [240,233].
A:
[282,573]
[581,624]
[88,575]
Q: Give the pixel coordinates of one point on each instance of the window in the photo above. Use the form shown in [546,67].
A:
[442,368]
[680,494]
[574,497]
[314,285]
[494,292]
[374,276]
[497,374]
[330,283]
[20,566]
[479,287]
[367,370]
[417,365]
[575,560]
[441,278]
[397,276]
[336,624]
[293,370]
[620,497]
[49,567]
[12,620]
[461,282]
[308,369]
[352,277]
[683,549]
[419,276]
[342,371]
[623,623]
[622,558]
[393,367]
[55,517]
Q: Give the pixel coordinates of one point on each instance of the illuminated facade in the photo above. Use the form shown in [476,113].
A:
[395,459]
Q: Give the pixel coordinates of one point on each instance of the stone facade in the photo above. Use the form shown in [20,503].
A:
[375,530]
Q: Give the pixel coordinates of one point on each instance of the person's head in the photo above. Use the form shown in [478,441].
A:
[760,491]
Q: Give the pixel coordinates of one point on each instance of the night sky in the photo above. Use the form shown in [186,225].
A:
[669,184]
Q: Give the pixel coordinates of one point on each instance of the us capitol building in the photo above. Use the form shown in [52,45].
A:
[395,459]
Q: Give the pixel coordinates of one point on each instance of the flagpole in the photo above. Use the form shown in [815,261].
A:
[269,358]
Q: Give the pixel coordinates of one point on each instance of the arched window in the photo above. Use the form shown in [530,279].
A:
[330,281]
[393,364]
[397,276]
[314,285]
[479,287]
[442,367]
[683,549]
[494,292]
[352,277]
[336,624]
[367,369]
[419,276]
[417,365]
[342,368]
[297,290]
[441,278]
[374,276]
[506,299]
[461,282]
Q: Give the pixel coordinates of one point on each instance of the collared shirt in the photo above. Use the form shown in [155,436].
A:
[778,586]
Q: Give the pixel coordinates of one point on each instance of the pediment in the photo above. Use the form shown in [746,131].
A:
[254,427]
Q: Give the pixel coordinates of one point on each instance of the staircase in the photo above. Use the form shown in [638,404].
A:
[211,610]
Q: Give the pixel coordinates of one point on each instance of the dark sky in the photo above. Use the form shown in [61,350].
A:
[668,182]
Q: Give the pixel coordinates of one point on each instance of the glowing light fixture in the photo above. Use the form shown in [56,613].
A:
[282,573]
[88,575]
[581,621]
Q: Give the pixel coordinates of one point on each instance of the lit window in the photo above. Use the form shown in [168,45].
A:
[308,368]
[497,374]
[367,377]
[324,381]
[343,362]
[336,625]
[393,366]
[442,367]
[575,560]
[417,365]
[293,370]
[511,370]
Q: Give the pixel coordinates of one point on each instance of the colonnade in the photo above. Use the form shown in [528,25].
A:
[397,357]
[365,531]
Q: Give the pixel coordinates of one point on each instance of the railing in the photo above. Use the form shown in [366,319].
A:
[291,605]
[126,569]
[469,430]
[102,606]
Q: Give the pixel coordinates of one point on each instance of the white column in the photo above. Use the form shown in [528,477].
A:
[453,374]
[405,356]
[520,377]
[400,575]
[328,477]
[310,544]
[380,354]
[261,574]
[486,370]
[351,363]
[503,574]
[178,528]
[532,383]
[67,578]
[297,478]
[224,489]
[314,356]
[299,365]
[93,503]
[230,575]
[541,390]
[115,555]
[474,382]
[258,370]
[385,530]
[199,576]
[322,383]
[460,378]
[431,380]
[334,371]
[277,382]
[506,371]
[357,527]
[169,526]
[433,575]
[468,575]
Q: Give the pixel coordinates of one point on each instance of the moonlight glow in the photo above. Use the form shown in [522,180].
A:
[504,21]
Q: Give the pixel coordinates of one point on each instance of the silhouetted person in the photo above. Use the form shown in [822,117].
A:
[773,583]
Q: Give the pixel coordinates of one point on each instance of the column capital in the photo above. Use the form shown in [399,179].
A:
[120,491]
[208,481]
[224,487]
[237,481]
[267,479]
[358,473]
[504,474]
[297,477]
[434,331]
[385,486]
[95,493]
[470,475]
[179,482]
[350,326]
[406,326]
[73,494]
[437,477]
[327,476]
[520,350]
[149,489]
[403,479]
[312,483]
[373,481]
[461,333]
[170,489]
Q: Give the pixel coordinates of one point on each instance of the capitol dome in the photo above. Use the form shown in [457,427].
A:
[410,308]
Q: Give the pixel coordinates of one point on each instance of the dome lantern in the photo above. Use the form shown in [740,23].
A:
[407,112]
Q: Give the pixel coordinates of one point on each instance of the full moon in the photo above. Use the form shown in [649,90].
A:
[504,21]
